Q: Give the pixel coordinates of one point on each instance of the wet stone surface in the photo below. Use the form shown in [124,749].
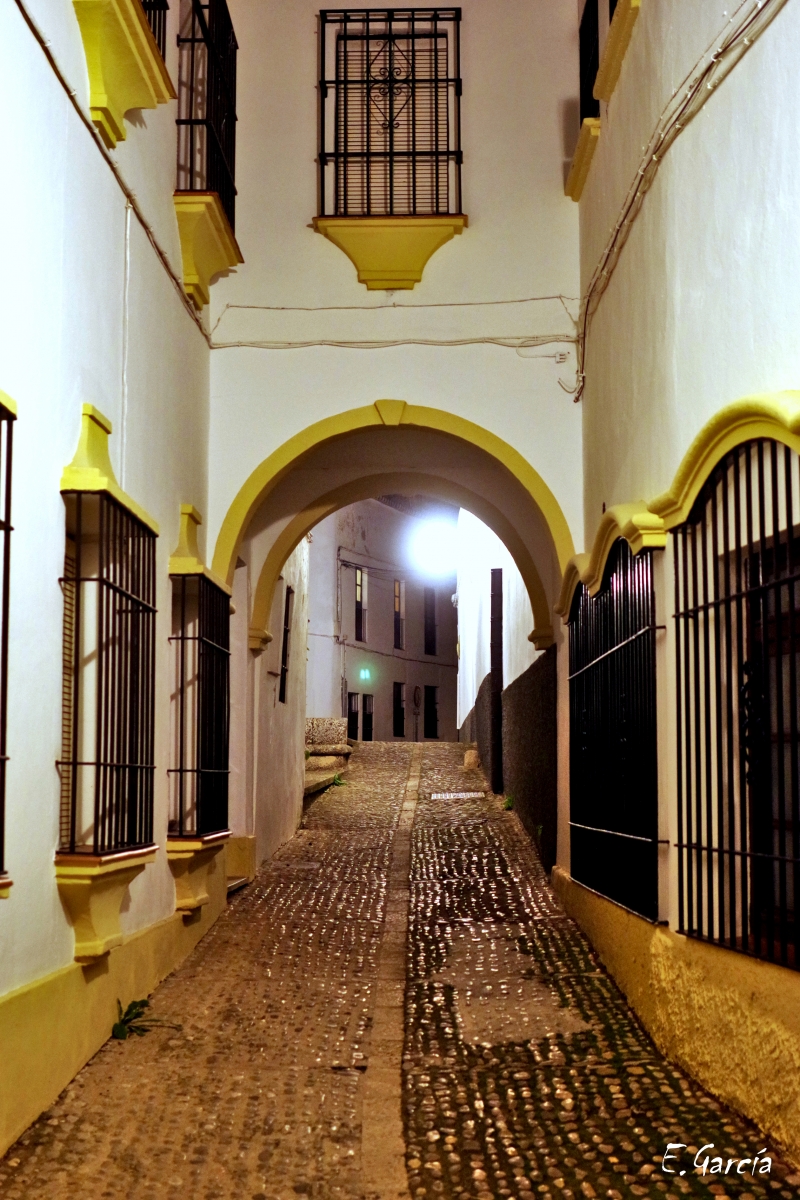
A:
[524,1072]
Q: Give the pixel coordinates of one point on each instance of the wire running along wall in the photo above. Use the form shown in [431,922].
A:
[737,606]
[613,760]
[7,419]
[201,707]
[390,116]
[206,121]
[107,760]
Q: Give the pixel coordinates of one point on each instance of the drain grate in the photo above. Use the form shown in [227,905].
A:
[458,795]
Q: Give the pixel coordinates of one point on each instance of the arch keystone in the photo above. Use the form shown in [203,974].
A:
[391,411]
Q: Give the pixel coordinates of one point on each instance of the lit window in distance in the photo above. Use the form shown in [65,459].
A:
[432,548]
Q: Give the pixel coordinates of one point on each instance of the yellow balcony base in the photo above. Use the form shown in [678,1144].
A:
[207,242]
[92,889]
[389,252]
[125,67]
[6,885]
[190,860]
[619,35]
[582,158]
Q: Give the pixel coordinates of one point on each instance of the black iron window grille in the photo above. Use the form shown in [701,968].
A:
[390,112]
[207,102]
[589,56]
[367,712]
[399,614]
[430,712]
[613,765]
[198,802]
[737,608]
[429,612]
[352,715]
[109,678]
[7,419]
[399,710]
[288,613]
[361,605]
[156,13]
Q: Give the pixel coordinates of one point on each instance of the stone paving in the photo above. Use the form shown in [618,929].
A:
[524,1072]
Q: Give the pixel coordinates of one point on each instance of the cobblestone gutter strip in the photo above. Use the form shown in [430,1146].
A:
[383,1144]
[525,1072]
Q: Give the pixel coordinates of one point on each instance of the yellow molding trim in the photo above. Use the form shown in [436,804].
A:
[185,558]
[582,158]
[775,415]
[642,529]
[619,35]
[273,469]
[92,890]
[91,470]
[208,245]
[125,67]
[189,861]
[409,483]
[390,252]
[8,403]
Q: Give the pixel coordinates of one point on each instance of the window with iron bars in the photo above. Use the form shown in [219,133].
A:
[109,678]
[737,619]
[613,763]
[156,13]
[201,707]
[7,419]
[206,121]
[390,112]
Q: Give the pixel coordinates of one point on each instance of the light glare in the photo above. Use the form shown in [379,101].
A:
[433,548]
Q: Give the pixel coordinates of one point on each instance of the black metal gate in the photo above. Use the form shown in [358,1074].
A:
[737,606]
[613,762]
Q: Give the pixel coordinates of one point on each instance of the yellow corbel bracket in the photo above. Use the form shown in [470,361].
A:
[619,35]
[92,889]
[390,252]
[207,242]
[190,861]
[125,67]
[185,558]
[91,470]
[258,639]
[6,885]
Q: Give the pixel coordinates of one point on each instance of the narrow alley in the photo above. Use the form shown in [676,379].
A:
[407,932]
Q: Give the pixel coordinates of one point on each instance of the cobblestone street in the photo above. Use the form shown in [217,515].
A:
[407,936]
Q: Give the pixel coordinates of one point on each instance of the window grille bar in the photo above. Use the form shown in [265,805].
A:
[207,103]
[201,644]
[613,746]
[390,116]
[156,13]
[109,620]
[6,446]
[737,614]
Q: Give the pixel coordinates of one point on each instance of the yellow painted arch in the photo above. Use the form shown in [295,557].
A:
[401,481]
[383,412]
[775,416]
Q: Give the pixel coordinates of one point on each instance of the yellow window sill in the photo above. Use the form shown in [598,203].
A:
[582,158]
[208,245]
[125,67]
[191,859]
[390,252]
[92,888]
[619,35]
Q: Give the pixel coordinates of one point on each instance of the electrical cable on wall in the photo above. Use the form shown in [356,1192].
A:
[697,87]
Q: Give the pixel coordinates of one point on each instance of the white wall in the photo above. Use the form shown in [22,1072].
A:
[87,313]
[479,552]
[376,536]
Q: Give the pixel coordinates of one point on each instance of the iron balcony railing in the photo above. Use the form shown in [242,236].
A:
[390,112]
[613,761]
[201,707]
[156,13]
[7,419]
[207,103]
[107,761]
[737,619]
